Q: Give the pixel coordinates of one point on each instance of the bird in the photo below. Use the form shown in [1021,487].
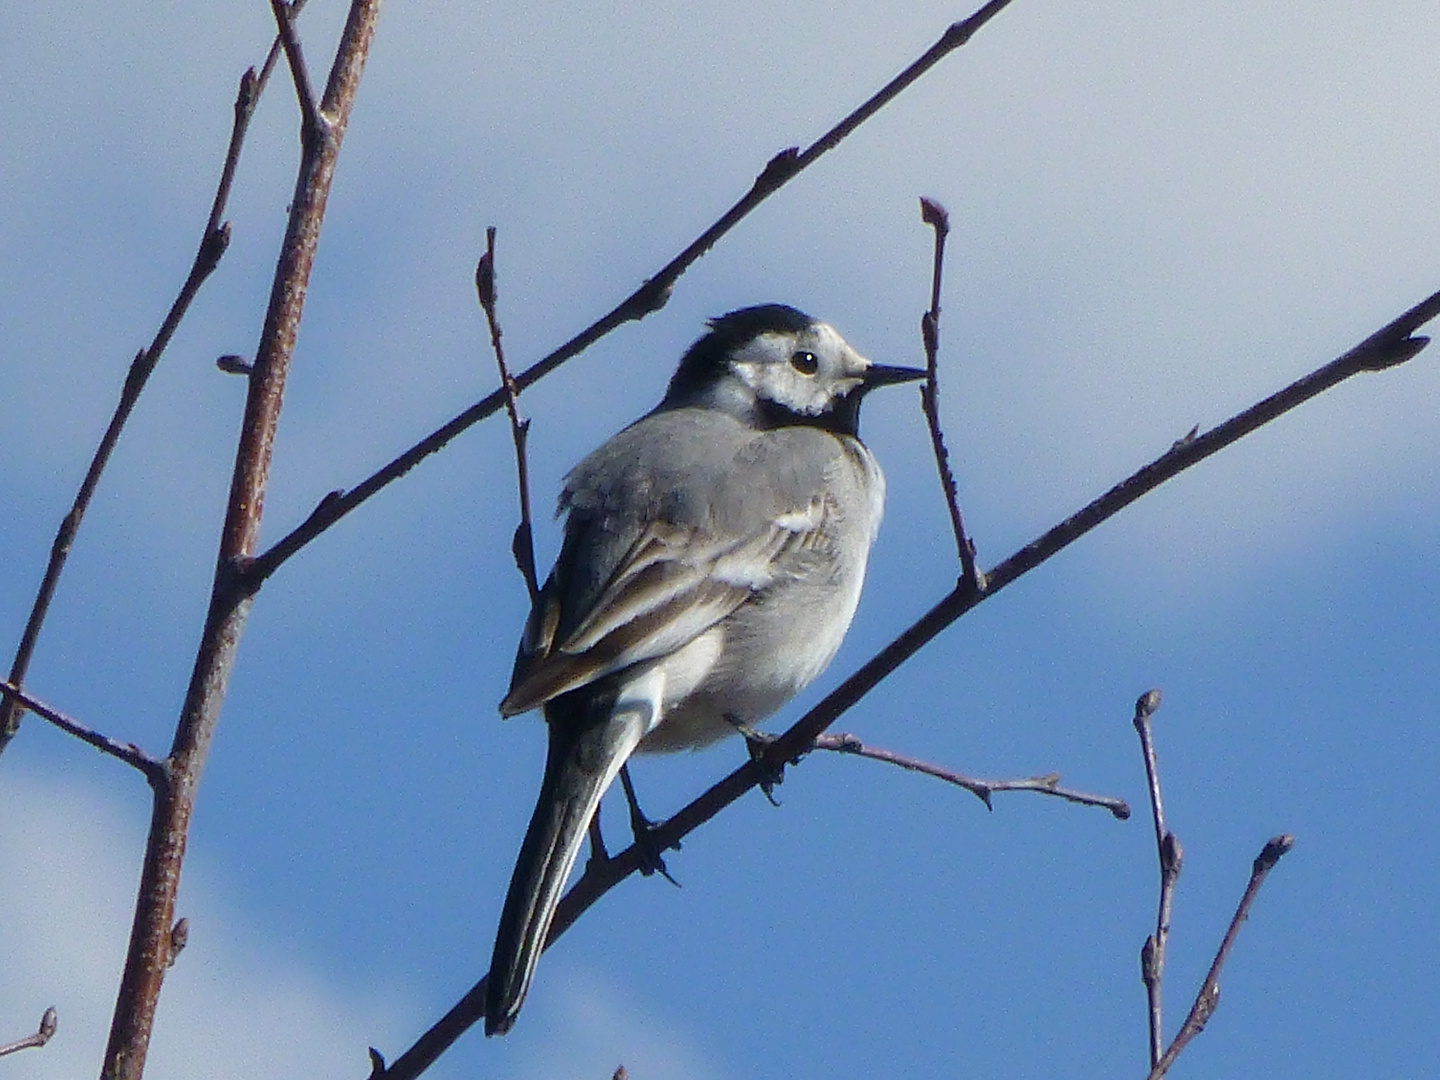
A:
[712,561]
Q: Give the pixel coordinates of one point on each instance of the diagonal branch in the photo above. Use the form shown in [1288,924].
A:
[151,944]
[1387,347]
[314,123]
[155,771]
[649,297]
[844,743]
[1391,345]
[278,45]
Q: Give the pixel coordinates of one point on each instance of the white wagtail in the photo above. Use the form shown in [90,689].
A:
[713,557]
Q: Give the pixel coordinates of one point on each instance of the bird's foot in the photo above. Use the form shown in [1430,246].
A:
[652,860]
[756,744]
[647,843]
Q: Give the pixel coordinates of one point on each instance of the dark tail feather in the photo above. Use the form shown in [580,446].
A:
[578,769]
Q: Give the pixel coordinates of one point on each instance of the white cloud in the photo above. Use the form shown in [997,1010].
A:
[597,1030]
[234,1004]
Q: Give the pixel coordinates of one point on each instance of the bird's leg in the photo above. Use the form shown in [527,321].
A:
[651,855]
[599,855]
[756,743]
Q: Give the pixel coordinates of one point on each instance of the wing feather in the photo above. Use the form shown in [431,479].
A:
[672,586]
[673,570]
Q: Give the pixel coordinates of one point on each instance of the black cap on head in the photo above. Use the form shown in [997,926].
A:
[729,331]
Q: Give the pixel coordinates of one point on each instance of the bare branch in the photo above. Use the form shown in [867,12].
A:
[278,45]
[844,743]
[315,125]
[1387,347]
[214,239]
[1167,846]
[522,544]
[934,215]
[1145,707]
[1208,999]
[155,771]
[649,297]
[48,1023]
[1390,345]
[151,944]
[1152,955]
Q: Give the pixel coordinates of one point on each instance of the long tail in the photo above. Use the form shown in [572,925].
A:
[579,766]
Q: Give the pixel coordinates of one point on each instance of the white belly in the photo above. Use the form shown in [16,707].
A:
[755,661]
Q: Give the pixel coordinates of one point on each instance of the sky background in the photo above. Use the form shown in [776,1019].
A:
[1161,212]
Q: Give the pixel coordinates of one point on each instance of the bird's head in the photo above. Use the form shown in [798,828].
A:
[775,366]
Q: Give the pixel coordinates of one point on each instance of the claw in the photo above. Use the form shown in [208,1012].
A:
[652,860]
[756,744]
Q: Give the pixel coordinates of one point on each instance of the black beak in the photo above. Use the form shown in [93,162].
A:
[845,415]
[885,375]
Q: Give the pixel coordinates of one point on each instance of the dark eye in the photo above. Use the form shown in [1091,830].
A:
[805,362]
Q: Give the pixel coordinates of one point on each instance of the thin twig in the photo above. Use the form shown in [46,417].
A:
[1208,998]
[1145,707]
[315,125]
[150,949]
[213,241]
[278,46]
[648,298]
[522,544]
[1391,345]
[844,743]
[153,769]
[48,1023]
[934,215]
[1167,846]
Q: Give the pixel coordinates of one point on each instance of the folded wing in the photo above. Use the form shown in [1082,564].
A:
[672,583]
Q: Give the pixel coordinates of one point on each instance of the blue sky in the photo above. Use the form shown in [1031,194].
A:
[1160,213]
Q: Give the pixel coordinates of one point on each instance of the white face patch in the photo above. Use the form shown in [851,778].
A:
[805,372]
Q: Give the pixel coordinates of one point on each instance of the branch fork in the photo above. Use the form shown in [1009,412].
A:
[1152,953]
